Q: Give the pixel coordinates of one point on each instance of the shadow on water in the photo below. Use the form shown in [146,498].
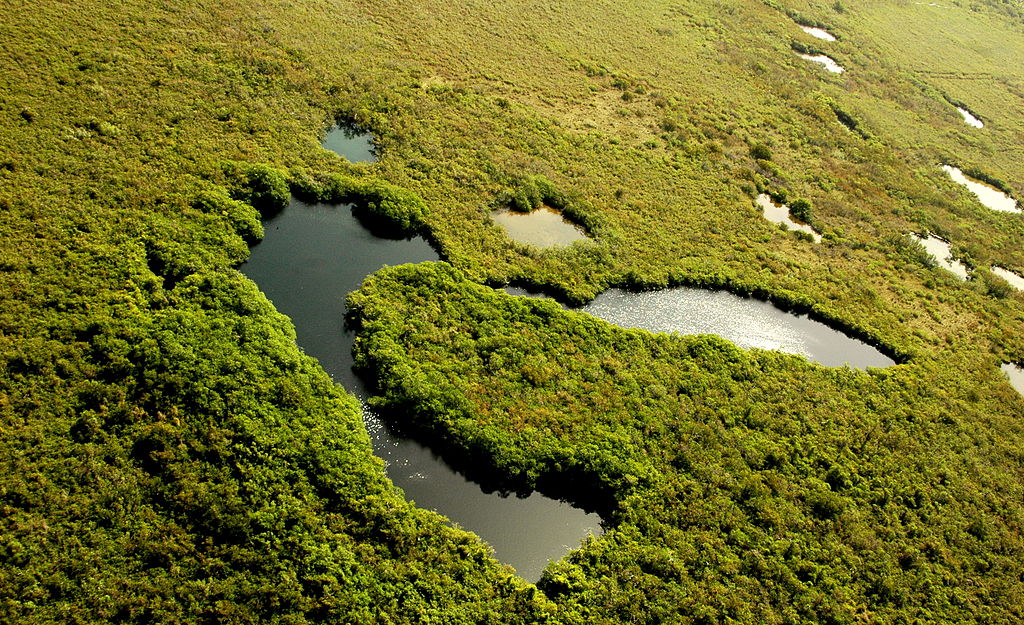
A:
[313,255]
[350,142]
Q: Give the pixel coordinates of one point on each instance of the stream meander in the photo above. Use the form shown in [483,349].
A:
[310,258]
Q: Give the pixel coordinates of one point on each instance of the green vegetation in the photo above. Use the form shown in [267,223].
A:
[169,455]
[741,486]
[800,210]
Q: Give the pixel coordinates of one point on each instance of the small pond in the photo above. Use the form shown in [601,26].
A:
[827,61]
[969,118]
[987,194]
[1015,280]
[820,33]
[746,322]
[310,258]
[779,213]
[940,251]
[350,142]
[1016,375]
[542,227]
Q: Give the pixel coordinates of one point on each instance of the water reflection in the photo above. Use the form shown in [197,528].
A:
[779,213]
[820,33]
[828,62]
[1015,374]
[543,227]
[970,119]
[940,251]
[351,143]
[987,194]
[312,256]
[1015,280]
[746,322]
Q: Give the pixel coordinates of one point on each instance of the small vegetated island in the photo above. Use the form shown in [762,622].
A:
[170,455]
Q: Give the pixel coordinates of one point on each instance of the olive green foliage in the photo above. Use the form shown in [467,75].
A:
[168,454]
[529,193]
[761,151]
[740,486]
[389,208]
[800,210]
[804,48]
[386,209]
[261,186]
[244,218]
[850,122]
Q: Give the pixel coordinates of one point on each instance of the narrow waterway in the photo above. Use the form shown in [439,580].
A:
[941,251]
[988,195]
[310,258]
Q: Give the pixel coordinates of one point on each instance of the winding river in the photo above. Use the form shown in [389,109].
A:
[310,258]
[313,255]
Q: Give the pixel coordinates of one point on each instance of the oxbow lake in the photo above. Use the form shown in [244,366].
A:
[747,322]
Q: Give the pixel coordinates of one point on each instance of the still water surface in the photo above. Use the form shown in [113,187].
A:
[779,214]
[1015,280]
[820,33]
[827,61]
[969,118]
[310,258]
[746,322]
[543,227]
[1016,375]
[940,251]
[350,142]
[988,195]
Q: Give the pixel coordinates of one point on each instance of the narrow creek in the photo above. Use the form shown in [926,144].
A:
[310,258]
[987,194]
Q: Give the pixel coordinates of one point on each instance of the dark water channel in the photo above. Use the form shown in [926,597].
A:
[310,258]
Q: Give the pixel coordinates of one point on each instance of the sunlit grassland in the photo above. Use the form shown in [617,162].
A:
[649,113]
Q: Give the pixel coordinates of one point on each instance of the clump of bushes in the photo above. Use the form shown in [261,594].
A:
[388,209]
[243,217]
[761,152]
[530,192]
[803,48]
[800,210]
[261,186]
[850,122]
[385,209]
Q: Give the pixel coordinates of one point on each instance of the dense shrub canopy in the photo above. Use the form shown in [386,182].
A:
[169,455]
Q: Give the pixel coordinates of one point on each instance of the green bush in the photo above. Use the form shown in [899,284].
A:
[800,210]
[761,152]
[243,217]
[261,186]
[387,209]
